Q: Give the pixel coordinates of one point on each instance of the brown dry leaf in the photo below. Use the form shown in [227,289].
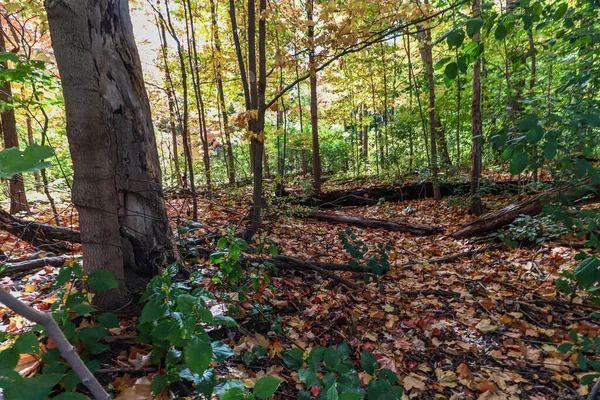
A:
[464,372]
[486,386]
[414,381]
[485,326]
[446,378]
[140,390]
[28,364]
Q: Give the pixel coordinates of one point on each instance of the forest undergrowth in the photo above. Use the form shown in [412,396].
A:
[486,325]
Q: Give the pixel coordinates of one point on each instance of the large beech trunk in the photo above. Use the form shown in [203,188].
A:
[399,226]
[117,186]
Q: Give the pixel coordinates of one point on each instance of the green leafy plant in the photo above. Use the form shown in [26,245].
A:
[328,373]
[530,230]
[69,311]
[376,262]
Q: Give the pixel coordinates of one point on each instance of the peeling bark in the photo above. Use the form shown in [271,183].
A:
[117,185]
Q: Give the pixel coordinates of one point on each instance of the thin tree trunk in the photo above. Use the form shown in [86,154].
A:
[117,186]
[221,94]
[46,183]
[36,175]
[531,87]
[476,126]
[428,58]
[185,129]
[412,81]
[314,112]
[171,98]
[194,70]
[16,186]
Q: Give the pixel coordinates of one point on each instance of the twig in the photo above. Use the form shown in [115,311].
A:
[66,349]
[322,271]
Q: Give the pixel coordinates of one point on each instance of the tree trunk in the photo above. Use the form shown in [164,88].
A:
[185,119]
[173,116]
[16,187]
[221,94]
[36,174]
[194,69]
[256,122]
[476,127]
[117,186]
[428,58]
[314,112]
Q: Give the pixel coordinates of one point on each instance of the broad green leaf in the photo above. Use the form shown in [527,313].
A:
[501,32]
[197,355]
[369,363]
[153,311]
[36,388]
[474,26]
[220,351]
[102,280]
[518,163]
[587,271]
[14,161]
[27,344]
[159,383]
[108,320]
[266,386]
[293,358]
[451,71]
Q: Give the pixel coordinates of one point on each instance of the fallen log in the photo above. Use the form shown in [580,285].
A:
[398,226]
[25,266]
[391,193]
[43,236]
[294,263]
[532,206]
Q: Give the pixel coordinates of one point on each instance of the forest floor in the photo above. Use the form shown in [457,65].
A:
[482,327]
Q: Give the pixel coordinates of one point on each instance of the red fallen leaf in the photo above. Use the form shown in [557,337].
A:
[370,347]
[314,390]
[487,279]
[547,284]
[411,365]
[289,283]
[42,306]
[436,332]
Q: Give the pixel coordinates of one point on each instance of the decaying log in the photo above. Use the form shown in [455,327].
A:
[25,266]
[294,263]
[43,236]
[532,206]
[398,226]
[391,193]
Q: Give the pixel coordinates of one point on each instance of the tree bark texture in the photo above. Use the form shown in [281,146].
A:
[16,187]
[117,185]
[476,127]
[314,112]
[428,59]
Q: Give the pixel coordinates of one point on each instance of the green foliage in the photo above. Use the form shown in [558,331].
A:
[376,262]
[67,311]
[530,230]
[14,161]
[330,372]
